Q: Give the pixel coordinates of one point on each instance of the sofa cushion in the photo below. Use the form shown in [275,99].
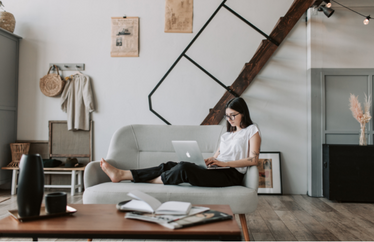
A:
[111,193]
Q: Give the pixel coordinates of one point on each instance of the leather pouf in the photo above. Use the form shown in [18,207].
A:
[30,185]
[7,21]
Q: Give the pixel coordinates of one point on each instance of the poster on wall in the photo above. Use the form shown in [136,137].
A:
[270,175]
[125,37]
[178,16]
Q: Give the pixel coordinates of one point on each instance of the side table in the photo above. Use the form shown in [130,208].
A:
[74,172]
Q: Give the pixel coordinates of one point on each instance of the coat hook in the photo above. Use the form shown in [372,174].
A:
[77,66]
[66,66]
[124,16]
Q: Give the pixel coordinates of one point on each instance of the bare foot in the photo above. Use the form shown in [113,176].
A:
[115,175]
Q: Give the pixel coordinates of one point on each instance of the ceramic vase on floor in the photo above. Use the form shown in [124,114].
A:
[30,185]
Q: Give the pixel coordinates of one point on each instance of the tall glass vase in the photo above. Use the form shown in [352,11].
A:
[30,185]
[363,138]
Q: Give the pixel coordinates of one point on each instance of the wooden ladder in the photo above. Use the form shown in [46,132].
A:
[262,55]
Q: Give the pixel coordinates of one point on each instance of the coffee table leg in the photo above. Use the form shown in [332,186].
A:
[243,222]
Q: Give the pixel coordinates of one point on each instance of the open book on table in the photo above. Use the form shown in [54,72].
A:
[145,203]
[163,218]
[197,215]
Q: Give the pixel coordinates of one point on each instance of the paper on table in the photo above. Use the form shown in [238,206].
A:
[173,208]
[147,203]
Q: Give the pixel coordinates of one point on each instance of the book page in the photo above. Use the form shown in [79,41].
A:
[173,207]
[153,202]
[137,205]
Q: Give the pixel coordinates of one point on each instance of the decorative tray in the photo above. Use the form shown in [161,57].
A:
[43,214]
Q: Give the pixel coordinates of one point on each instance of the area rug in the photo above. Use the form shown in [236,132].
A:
[2,199]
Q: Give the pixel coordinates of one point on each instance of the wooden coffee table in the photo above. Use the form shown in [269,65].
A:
[105,221]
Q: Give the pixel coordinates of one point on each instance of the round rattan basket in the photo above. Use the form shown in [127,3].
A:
[18,149]
[51,85]
[7,21]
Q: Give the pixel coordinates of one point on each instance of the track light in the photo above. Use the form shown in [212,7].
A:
[328,3]
[327,11]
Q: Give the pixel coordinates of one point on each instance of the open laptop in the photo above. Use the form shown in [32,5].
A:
[190,151]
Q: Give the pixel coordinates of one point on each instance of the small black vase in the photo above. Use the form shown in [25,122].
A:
[30,185]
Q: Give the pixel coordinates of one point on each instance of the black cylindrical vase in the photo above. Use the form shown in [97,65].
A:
[30,185]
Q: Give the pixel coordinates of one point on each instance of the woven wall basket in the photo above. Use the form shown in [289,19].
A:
[18,149]
[51,85]
[7,21]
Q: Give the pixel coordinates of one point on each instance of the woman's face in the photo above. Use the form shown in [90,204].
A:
[233,117]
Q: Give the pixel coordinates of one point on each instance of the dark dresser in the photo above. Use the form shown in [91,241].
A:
[348,173]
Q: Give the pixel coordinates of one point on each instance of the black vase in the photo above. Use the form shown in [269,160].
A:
[30,185]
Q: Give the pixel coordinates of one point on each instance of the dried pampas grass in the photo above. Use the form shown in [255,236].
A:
[361,116]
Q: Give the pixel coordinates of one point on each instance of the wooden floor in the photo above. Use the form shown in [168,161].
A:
[283,218]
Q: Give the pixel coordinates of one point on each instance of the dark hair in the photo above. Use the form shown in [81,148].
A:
[238,104]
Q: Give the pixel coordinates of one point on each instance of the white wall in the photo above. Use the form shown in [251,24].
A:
[79,32]
[341,41]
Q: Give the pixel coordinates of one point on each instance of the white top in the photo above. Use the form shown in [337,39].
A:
[235,146]
[77,102]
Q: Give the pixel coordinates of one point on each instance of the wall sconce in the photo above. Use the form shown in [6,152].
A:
[327,11]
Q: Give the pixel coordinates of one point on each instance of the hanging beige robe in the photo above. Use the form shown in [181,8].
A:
[77,102]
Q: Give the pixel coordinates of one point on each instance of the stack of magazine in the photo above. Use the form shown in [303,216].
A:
[172,215]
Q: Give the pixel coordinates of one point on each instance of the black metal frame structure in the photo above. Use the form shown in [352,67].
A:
[183,54]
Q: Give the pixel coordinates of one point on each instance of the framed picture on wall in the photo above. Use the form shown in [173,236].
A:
[125,37]
[270,173]
[178,16]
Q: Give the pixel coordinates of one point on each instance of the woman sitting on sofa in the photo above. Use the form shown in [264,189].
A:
[239,148]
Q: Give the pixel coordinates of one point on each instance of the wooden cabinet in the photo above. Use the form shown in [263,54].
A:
[9,53]
[348,173]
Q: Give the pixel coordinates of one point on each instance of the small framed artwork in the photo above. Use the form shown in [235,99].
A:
[125,37]
[178,16]
[270,173]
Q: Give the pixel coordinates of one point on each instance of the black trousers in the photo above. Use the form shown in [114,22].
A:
[173,173]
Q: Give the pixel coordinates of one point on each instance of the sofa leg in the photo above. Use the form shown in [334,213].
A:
[243,222]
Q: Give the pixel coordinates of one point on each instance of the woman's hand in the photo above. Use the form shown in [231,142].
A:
[211,161]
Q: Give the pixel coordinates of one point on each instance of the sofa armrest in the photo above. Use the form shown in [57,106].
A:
[93,175]
[251,178]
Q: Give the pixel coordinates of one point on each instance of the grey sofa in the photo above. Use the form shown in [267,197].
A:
[139,146]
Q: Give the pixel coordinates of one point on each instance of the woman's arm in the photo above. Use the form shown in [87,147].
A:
[216,154]
[252,160]
[207,161]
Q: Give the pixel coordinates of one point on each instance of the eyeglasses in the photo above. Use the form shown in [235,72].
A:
[231,117]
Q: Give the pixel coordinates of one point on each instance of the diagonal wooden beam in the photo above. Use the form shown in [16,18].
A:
[260,58]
